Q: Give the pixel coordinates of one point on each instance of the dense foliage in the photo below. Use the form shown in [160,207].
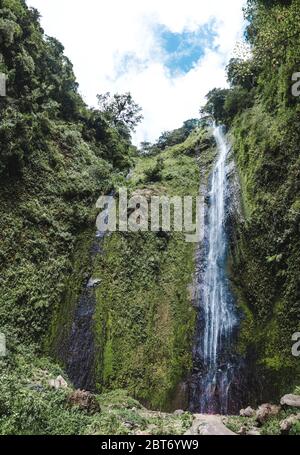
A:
[56,158]
[263,117]
[144,320]
[171,138]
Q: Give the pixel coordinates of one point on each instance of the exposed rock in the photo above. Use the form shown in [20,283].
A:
[253,432]
[290,400]
[142,433]
[287,424]
[207,425]
[179,412]
[243,431]
[58,383]
[86,401]
[265,411]
[93,282]
[248,412]
[36,387]
[130,425]
[147,193]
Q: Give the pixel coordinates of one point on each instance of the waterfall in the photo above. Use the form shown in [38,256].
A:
[217,318]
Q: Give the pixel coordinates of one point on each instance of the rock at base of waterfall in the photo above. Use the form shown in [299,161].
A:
[58,383]
[178,412]
[265,411]
[290,400]
[287,424]
[248,412]
[253,432]
[85,401]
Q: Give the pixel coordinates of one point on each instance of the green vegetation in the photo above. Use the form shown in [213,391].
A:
[29,406]
[263,118]
[270,426]
[144,321]
[57,157]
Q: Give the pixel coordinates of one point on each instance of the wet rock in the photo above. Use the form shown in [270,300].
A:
[290,400]
[287,424]
[265,411]
[58,383]
[86,401]
[248,412]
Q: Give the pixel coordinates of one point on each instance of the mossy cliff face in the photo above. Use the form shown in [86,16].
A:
[52,168]
[265,252]
[261,110]
[144,319]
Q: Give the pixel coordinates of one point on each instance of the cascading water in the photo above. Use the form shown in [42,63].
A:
[214,370]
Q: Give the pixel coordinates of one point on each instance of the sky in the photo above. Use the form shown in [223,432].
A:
[167,53]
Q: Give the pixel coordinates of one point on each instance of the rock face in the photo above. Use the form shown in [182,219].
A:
[248,412]
[287,424]
[86,401]
[265,411]
[290,400]
[58,383]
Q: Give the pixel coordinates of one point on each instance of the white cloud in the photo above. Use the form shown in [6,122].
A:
[98,34]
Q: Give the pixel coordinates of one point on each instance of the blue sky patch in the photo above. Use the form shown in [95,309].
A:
[179,52]
[183,50]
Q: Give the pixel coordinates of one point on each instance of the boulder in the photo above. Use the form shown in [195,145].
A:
[86,401]
[58,383]
[130,425]
[265,411]
[287,424]
[248,412]
[290,400]
[178,412]
[253,432]
[243,431]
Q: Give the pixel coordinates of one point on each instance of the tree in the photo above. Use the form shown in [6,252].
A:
[215,105]
[170,138]
[120,110]
[145,147]
[242,73]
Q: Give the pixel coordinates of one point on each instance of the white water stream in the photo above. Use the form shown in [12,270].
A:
[217,303]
